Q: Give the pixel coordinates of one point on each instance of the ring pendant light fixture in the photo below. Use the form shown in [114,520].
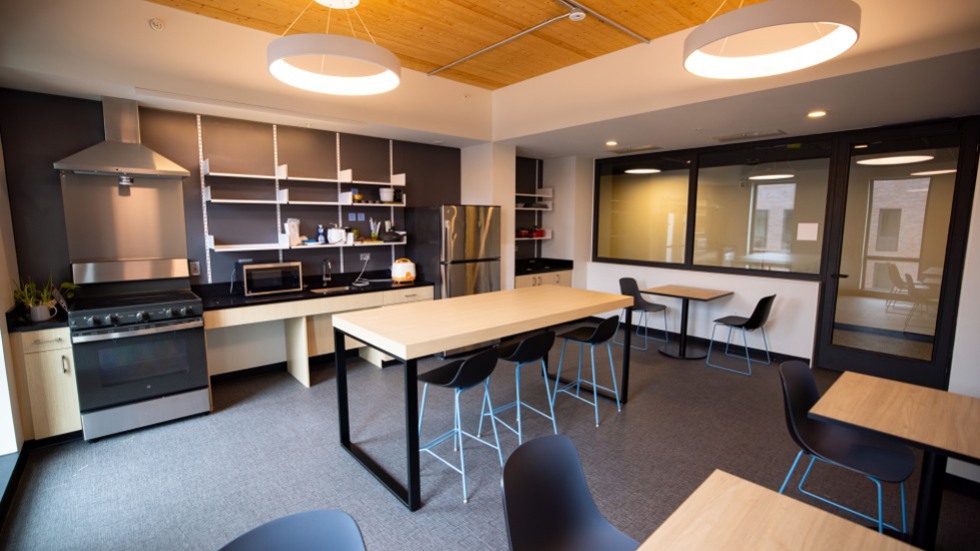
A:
[771,38]
[333,64]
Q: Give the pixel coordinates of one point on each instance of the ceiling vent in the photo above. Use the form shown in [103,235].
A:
[752,135]
[635,149]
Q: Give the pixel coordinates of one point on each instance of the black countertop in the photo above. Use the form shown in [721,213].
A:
[527,266]
[217,296]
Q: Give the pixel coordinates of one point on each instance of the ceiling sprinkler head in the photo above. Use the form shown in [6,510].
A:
[576,15]
[125,180]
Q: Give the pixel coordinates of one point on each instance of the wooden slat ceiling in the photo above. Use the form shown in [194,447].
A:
[428,34]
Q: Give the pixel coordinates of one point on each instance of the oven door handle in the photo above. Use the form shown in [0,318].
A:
[79,339]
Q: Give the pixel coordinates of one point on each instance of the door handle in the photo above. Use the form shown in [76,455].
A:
[64,363]
[840,276]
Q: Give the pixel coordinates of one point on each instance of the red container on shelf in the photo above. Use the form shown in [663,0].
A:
[538,233]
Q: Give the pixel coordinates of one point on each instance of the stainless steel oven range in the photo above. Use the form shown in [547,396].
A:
[139,359]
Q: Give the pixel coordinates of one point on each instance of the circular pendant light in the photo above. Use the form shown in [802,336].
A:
[771,38]
[333,64]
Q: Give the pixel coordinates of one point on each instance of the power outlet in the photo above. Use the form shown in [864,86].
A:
[194,267]
[365,256]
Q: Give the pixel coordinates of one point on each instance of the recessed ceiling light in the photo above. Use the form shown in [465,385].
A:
[612,143]
[770,176]
[861,146]
[896,160]
[817,113]
[642,170]
[934,172]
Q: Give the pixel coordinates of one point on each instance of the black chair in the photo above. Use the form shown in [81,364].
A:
[328,530]
[628,287]
[591,336]
[878,458]
[460,376]
[757,320]
[547,504]
[533,349]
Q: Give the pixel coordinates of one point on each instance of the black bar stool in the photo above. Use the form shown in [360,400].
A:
[461,375]
[591,336]
[629,287]
[530,350]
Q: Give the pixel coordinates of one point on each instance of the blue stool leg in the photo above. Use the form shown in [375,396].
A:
[458,428]
[578,379]
[479,428]
[745,343]
[905,529]
[517,384]
[425,389]
[612,371]
[561,360]
[791,469]
[646,330]
[493,421]
[881,518]
[765,342]
[595,388]
[711,344]
[728,341]
[547,393]
[666,333]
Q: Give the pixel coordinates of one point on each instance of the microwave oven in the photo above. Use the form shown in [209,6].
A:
[267,279]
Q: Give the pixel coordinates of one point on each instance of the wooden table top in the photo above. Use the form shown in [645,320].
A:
[418,329]
[727,512]
[693,293]
[922,416]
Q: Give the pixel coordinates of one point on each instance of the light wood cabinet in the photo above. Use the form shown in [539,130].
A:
[563,278]
[395,296]
[45,371]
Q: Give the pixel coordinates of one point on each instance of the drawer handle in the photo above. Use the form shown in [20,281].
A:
[411,295]
[56,339]
[64,364]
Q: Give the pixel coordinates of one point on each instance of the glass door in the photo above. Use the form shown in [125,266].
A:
[889,295]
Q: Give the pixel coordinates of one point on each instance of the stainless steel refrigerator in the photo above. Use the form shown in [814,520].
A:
[457,247]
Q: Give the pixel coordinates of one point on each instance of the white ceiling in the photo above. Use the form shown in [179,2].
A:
[915,60]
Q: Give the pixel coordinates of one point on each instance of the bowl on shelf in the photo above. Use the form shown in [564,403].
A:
[523,232]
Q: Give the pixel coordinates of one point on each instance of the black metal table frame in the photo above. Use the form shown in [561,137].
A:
[410,494]
[682,352]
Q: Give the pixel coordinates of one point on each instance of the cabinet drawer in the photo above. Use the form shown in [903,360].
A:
[412,294]
[44,340]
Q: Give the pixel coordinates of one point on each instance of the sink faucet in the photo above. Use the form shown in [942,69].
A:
[325,270]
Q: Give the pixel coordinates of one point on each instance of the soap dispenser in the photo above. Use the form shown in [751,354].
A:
[320,237]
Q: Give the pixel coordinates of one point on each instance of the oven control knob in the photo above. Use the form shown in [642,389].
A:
[142,316]
[187,311]
[109,319]
[169,312]
[91,320]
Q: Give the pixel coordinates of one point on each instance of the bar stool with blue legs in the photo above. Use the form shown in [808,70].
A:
[593,337]
[629,287]
[757,320]
[461,375]
[531,350]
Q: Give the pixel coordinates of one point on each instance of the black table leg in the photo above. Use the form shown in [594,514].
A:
[681,350]
[411,496]
[624,373]
[929,501]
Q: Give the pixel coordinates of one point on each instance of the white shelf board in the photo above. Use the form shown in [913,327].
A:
[246,247]
[347,177]
[206,170]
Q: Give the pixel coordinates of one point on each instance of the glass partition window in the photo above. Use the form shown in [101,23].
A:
[642,211]
[896,226]
[762,209]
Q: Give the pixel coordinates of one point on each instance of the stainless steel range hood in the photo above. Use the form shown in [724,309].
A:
[121,154]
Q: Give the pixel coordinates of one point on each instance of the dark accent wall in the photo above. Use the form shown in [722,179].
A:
[527,179]
[37,130]
[433,173]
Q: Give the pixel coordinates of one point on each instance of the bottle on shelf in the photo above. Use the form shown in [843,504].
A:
[320,237]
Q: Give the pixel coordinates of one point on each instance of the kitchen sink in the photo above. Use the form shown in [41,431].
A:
[331,290]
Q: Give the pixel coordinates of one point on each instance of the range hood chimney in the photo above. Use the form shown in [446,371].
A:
[121,154]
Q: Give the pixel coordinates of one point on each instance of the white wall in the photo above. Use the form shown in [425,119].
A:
[10,436]
[965,373]
[489,177]
[571,179]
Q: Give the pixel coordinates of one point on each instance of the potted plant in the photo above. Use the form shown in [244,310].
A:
[37,299]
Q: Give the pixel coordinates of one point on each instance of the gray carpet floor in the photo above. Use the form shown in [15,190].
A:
[270,448]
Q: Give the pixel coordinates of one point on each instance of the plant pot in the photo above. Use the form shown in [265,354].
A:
[42,313]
